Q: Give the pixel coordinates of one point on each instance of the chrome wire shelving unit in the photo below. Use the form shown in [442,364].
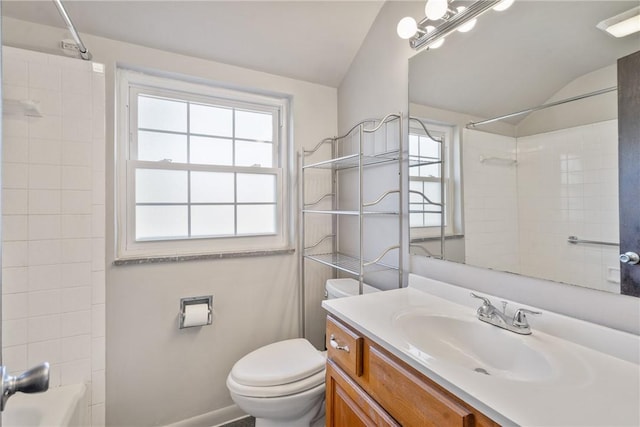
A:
[368,144]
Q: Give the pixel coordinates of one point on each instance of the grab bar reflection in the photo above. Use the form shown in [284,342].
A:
[575,241]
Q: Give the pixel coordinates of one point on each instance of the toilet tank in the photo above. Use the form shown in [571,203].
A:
[339,288]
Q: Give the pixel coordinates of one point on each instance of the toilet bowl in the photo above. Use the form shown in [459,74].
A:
[282,384]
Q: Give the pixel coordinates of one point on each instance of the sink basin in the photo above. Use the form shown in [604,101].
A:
[473,345]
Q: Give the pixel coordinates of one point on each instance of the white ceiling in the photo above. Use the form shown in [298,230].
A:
[519,58]
[546,42]
[314,41]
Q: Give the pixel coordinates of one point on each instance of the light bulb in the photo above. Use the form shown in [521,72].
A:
[468,26]
[438,42]
[435,9]
[407,27]
[503,5]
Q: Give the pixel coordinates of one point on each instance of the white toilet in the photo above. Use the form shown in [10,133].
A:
[282,384]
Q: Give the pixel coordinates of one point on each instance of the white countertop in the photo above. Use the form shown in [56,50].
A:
[599,381]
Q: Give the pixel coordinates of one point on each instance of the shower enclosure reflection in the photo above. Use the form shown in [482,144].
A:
[522,191]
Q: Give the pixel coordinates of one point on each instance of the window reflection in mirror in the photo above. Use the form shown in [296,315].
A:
[433,171]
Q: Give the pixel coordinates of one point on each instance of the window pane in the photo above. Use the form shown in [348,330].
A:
[209,120]
[430,170]
[432,220]
[419,207]
[212,187]
[256,188]
[212,221]
[256,219]
[156,146]
[429,152]
[429,147]
[415,186]
[162,114]
[432,191]
[161,186]
[254,125]
[414,141]
[211,151]
[157,222]
[254,154]
[416,220]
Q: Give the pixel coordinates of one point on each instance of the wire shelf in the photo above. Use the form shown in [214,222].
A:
[367,213]
[348,263]
[351,161]
[416,162]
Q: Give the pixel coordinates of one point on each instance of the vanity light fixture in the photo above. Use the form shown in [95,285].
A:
[431,34]
[503,5]
[469,25]
[436,9]
[623,24]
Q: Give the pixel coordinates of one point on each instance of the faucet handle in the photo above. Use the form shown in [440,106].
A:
[484,299]
[486,309]
[520,318]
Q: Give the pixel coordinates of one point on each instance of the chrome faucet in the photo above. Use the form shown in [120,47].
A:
[490,314]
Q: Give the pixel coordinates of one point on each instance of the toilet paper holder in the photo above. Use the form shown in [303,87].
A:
[184,302]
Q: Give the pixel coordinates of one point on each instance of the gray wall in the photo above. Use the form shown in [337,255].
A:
[376,83]
[256,299]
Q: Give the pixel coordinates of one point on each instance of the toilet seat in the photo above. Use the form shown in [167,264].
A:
[278,369]
[282,390]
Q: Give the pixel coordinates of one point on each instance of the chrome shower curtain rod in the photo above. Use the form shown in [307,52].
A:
[84,53]
[541,107]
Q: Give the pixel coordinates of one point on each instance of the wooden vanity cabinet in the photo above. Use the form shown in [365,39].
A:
[349,405]
[367,386]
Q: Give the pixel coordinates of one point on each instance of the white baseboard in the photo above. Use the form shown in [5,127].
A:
[213,418]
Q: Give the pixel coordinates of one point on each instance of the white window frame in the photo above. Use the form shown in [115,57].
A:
[130,83]
[447,132]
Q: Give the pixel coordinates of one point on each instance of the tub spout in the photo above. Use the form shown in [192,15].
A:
[35,380]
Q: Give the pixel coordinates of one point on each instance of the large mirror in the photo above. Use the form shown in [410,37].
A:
[534,194]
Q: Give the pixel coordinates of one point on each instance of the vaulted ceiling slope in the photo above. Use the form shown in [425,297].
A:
[519,58]
[314,41]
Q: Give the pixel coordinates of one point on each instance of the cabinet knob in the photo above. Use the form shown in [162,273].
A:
[334,344]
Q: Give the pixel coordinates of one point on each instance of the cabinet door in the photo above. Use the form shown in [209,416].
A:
[421,404]
[349,406]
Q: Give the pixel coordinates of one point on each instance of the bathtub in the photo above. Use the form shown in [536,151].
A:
[59,406]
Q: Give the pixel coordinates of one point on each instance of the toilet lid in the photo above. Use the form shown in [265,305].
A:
[279,363]
[346,287]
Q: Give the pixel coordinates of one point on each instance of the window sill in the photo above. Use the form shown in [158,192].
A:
[437,238]
[200,257]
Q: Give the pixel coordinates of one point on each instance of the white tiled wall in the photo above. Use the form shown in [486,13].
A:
[518,218]
[490,200]
[53,261]
[568,186]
